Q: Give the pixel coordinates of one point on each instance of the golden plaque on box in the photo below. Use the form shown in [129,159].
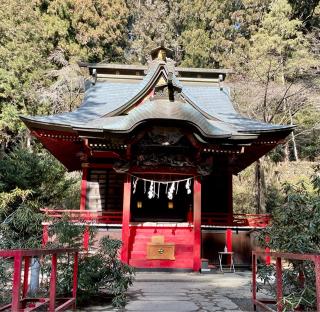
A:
[157,249]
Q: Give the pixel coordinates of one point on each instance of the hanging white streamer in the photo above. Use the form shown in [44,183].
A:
[154,188]
[134,185]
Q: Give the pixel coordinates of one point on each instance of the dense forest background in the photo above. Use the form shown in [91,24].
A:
[273,47]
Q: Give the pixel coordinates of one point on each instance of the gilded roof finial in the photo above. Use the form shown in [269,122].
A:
[162,54]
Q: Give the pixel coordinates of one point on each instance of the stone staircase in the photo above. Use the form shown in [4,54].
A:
[182,237]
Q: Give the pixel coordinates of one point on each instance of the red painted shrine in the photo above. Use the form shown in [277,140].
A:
[158,146]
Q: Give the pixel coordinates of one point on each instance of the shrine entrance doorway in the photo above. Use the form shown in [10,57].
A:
[161,207]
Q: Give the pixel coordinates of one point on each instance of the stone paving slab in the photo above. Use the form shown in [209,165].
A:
[186,292]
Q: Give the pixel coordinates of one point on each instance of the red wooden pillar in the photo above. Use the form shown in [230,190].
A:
[25,277]
[317,271]
[86,237]
[229,240]
[279,284]
[230,199]
[75,278]
[16,286]
[267,251]
[45,234]
[126,219]
[53,283]
[197,224]
[83,199]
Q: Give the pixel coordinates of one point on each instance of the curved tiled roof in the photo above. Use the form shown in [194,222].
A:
[161,109]
[208,107]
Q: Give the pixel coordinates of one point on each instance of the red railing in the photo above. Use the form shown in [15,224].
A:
[207,218]
[20,302]
[263,303]
[93,216]
[223,219]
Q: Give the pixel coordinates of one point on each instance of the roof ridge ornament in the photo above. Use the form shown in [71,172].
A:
[161,53]
[169,89]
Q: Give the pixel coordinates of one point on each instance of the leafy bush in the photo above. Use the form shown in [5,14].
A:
[295,228]
[29,180]
[100,272]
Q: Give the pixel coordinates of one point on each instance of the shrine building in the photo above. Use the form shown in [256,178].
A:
[158,146]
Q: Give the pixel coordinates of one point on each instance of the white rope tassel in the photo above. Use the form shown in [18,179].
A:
[171,190]
[188,183]
[134,186]
[151,190]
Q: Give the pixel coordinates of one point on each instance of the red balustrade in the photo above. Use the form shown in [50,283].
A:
[207,218]
[222,219]
[93,216]
[279,256]
[20,301]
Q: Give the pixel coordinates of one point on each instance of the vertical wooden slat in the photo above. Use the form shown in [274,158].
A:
[86,237]
[75,278]
[254,280]
[126,219]
[15,303]
[197,224]
[83,198]
[45,234]
[53,281]
[25,276]
[230,199]
[317,271]
[267,251]
[279,284]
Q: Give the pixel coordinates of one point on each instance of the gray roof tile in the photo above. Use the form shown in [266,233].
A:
[210,107]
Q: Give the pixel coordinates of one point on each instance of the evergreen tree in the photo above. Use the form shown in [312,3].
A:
[91,30]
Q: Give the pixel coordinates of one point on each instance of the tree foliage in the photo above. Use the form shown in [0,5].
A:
[29,181]
[295,229]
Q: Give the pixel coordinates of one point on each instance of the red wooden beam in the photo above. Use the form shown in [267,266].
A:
[164,170]
[197,224]
[126,219]
[99,166]
[105,154]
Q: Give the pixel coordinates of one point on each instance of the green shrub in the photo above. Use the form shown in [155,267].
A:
[295,229]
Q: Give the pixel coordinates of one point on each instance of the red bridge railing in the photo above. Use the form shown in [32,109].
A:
[263,303]
[20,302]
